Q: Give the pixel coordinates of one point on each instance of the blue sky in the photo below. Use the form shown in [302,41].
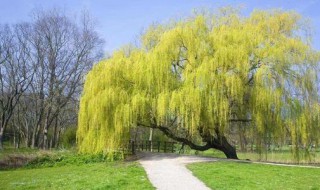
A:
[121,21]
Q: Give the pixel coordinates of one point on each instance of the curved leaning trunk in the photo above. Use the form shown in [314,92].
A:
[223,145]
[219,142]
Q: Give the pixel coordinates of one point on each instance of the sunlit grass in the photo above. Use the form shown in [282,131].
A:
[66,169]
[118,175]
[234,175]
[279,156]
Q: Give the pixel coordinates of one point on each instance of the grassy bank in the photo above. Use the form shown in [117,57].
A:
[225,175]
[118,175]
[66,169]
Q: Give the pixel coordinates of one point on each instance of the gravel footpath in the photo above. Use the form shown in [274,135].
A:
[168,171]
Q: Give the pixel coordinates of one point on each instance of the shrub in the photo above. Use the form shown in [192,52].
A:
[68,137]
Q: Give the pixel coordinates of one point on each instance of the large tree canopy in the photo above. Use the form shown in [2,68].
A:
[193,78]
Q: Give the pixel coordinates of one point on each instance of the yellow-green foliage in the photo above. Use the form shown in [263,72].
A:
[205,70]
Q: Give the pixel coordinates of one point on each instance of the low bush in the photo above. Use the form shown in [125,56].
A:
[42,159]
[68,138]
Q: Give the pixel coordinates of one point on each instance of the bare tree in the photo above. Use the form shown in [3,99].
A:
[59,50]
[15,73]
[70,51]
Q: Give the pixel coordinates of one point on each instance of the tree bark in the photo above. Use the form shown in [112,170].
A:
[218,142]
[150,138]
[45,139]
[2,128]
[35,136]
[1,138]
[55,133]
[223,145]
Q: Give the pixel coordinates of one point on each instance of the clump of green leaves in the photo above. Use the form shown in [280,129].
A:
[68,138]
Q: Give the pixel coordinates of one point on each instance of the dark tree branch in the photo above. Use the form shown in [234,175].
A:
[240,120]
[171,135]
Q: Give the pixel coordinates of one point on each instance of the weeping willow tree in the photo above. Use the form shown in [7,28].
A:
[194,78]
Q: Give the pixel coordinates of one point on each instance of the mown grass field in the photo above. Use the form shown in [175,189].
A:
[117,175]
[65,169]
[278,156]
[224,175]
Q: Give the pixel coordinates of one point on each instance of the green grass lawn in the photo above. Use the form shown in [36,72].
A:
[280,156]
[118,175]
[66,169]
[237,175]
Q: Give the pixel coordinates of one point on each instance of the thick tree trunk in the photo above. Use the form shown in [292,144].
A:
[14,138]
[55,134]
[150,138]
[223,145]
[2,128]
[230,152]
[58,137]
[35,137]
[45,139]
[1,138]
[33,140]
[218,142]
[45,131]
[27,135]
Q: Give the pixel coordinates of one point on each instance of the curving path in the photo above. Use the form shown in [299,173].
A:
[168,171]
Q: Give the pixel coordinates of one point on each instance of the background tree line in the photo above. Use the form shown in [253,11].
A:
[42,67]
